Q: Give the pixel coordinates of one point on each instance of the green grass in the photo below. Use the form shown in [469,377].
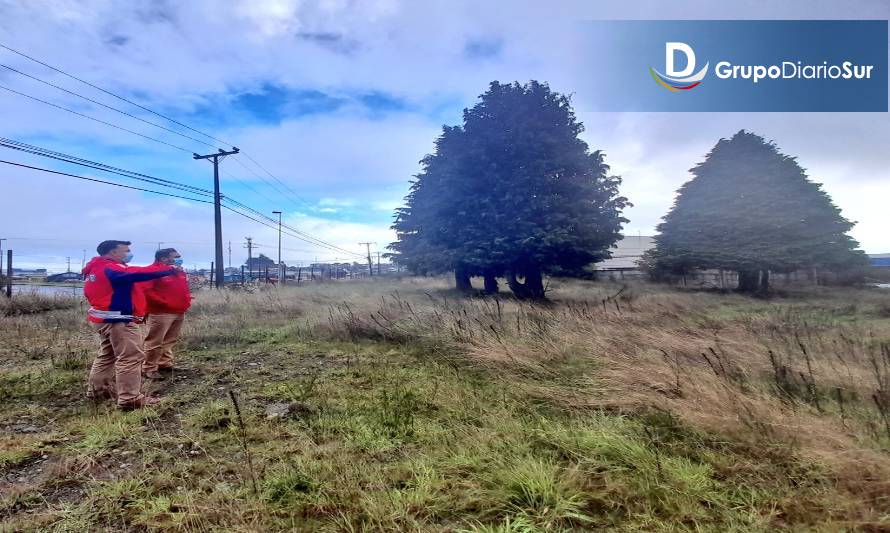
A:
[418,431]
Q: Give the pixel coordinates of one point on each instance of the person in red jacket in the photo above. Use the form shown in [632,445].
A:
[117,308]
[168,299]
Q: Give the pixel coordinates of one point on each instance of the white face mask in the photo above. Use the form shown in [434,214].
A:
[127,258]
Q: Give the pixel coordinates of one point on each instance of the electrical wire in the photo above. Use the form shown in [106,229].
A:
[287,189]
[60,71]
[304,236]
[103,181]
[63,108]
[255,162]
[106,106]
[269,224]
[22,147]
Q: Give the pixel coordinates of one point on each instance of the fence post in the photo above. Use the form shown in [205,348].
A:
[242,275]
[211,273]
[299,274]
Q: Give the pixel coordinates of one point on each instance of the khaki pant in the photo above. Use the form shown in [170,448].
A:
[116,372]
[163,332]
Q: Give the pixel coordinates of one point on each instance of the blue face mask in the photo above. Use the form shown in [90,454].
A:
[178,261]
[127,258]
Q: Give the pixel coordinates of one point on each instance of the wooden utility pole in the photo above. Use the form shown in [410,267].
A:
[217,209]
[280,273]
[1,255]
[249,246]
[367,246]
[9,273]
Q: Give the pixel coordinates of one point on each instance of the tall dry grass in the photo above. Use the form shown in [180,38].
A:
[807,374]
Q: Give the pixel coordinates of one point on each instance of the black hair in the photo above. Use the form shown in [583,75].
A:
[107,246]
[164,253]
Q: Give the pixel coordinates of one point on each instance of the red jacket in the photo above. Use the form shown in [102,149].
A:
[168,295]
[111,289]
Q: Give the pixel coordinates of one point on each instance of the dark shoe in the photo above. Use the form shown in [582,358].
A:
[167,369]
[154,376]
[145,401]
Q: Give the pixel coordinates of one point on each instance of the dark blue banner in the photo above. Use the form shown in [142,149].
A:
[740,65]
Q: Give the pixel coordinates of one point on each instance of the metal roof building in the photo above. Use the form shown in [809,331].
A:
[879,260]
[627,252]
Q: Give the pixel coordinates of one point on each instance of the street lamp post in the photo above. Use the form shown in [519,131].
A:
[281,275]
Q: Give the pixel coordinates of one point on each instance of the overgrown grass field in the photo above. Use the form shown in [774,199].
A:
[403,406]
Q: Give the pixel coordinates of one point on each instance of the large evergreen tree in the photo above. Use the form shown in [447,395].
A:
[752,209]
[513,191]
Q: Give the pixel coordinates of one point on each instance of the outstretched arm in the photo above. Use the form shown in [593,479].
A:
[137,274]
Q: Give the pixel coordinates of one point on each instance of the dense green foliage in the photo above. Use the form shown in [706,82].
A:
[513,191]
[752,209]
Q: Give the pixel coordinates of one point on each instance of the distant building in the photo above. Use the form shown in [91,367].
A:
[626,253]
[879,260]
[65,277]
[28,273]
[258,266]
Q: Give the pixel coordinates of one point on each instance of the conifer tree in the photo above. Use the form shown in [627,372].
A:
[752,209]
[512,191]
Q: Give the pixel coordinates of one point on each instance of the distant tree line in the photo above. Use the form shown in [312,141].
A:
[514,192]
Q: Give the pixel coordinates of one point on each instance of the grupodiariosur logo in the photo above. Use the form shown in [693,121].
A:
[681,80]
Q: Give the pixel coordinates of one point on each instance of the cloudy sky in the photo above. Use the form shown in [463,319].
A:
[339,100]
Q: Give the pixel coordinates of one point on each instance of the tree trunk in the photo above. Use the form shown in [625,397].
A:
[517,288]
[764,281]
[491,283]
[749,280]
[533,288]
[534,280]
[462,279]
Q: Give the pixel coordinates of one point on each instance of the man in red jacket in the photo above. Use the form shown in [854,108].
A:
[117,308]
[168,299]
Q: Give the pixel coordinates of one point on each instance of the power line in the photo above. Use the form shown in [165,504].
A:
[305,237]
[302,235]
[232,209]
[150,179]
[246,185]
[274,227]
[106,106]
[36,150]
[283,248]
[287,189]
[92,240]
[287,192]
[255,162]
[103,181]
[63,108]
[60,71]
